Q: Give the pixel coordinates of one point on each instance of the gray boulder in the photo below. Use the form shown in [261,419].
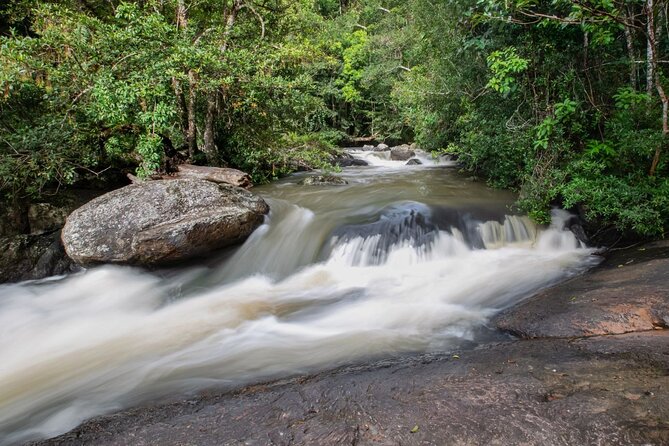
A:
[382,148]
[401,153]
[367,147]
[158,222]
[414,162]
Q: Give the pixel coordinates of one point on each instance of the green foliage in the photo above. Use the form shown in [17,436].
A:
[291,152]
[91,87]
[635,203]
[354,61]
[505,65]
[556,117]
[149,147]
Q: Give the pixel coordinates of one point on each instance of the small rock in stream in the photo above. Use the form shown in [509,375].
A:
[323,180]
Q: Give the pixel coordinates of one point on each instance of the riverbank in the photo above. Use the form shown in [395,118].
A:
[584,388]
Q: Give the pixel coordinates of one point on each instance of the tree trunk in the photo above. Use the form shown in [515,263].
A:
[209,148]
[181,105]
[230,23]
[652,45]
[186,110]
[586,47]
[182,16]
[629,43]
[191,132]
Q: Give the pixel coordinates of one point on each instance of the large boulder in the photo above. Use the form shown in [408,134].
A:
[401,153]
[157,222]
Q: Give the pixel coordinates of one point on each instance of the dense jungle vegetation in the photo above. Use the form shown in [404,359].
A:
[564,101]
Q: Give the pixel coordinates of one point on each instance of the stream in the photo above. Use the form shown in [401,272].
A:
[402,260]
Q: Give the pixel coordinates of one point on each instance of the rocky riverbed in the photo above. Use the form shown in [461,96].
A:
[596,371]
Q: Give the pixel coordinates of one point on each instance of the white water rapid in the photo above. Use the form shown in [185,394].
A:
[401,260]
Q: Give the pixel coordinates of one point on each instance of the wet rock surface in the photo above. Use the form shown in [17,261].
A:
[159,222]
[629,292]
[590,386]
[610,391]
[408,222]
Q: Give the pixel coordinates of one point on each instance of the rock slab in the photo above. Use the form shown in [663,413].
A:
[628,293]
[159,222]
[610,391]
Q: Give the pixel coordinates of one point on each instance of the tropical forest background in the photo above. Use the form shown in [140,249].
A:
[563,101]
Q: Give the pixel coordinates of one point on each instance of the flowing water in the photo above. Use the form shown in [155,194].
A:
[403,259]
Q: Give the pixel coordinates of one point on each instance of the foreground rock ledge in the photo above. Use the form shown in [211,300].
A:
[611,390]
[160,222]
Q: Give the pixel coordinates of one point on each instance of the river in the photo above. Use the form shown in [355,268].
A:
[402,260]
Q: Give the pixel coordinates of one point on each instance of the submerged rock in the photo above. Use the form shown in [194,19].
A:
[323,180]
[398,224]
[160,222]
[401,153]
[414,162]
